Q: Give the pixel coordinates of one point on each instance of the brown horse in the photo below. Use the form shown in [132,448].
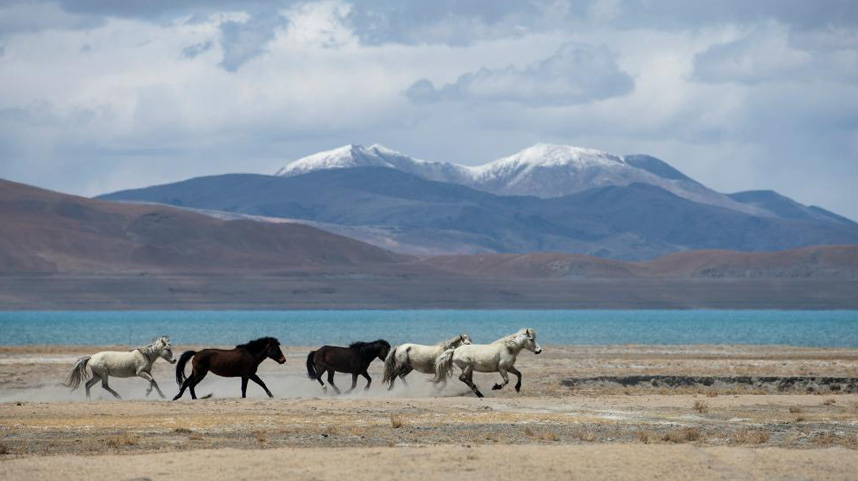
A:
[239,362]
[354,360]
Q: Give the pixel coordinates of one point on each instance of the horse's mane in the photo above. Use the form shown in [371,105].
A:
[257,345]
[150,348]
[512,340]
[362,347]
[449,342]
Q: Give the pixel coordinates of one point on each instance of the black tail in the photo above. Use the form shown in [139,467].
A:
[180,366]
[311,366]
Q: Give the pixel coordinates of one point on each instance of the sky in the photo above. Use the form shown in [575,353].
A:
[101,95]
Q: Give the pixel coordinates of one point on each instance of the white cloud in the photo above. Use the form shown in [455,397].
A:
[575,74]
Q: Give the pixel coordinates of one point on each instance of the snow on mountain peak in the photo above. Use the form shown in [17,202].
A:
[351,155]
[542,170]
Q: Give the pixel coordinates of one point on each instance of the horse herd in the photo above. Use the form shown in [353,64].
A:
[243,361]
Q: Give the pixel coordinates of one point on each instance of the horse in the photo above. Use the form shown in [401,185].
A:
[239,362]
[136,362]
[354,360]
[498,356]
[407,357]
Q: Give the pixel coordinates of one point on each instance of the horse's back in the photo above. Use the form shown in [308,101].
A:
[483,357]
[223,362]
[421,357]
[116,363]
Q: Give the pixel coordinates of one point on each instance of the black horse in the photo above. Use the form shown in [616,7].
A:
[353,360]
[241,361]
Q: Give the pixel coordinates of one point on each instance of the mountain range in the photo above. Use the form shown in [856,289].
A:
[59,251]
[544,198]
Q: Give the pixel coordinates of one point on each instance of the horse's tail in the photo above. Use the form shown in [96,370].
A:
[311,366]
[180,366]
[78,373]
[390,366]
[444,365]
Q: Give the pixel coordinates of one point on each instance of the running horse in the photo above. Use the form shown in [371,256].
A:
[498,356]
[136,362]
[242,362]
[353,360]
[416,357]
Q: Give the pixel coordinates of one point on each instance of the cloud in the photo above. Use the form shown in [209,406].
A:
[243,40]
[771,53]
[575,74]
[192,51]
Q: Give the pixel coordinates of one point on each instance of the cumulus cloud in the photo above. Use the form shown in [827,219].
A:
[575,74]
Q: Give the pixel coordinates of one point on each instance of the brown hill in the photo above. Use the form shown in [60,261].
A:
[44,231]
[829,262]
[825,262]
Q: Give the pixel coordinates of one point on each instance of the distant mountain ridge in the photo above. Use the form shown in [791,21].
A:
[409,214]
[542,170]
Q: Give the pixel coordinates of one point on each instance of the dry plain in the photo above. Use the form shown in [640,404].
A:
[585,412]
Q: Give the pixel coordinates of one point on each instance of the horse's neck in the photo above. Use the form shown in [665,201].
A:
[449,344]
[149,353]
[257,356]
[514,347]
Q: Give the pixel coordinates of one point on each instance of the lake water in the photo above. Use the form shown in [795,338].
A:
[309,328]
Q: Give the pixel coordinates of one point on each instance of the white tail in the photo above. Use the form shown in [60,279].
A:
[390,366]
[444,365]
[78,373]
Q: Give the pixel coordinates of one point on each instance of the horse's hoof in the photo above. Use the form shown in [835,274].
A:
[496,387]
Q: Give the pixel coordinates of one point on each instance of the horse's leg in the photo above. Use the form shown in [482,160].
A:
[517,373]
[354,383]
[404,373]
[440,385]
[188,384]
[91,382]
[195,379]
[256,379]
[319,373]
[152,384]
[107,388]
[331,381]
[243,387]
[467,377]
[368,379]
[505,377]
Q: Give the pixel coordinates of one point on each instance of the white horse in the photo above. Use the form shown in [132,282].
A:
[498,356]
[409,357]
[136,362]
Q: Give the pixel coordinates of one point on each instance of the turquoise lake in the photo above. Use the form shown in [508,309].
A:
[797,328]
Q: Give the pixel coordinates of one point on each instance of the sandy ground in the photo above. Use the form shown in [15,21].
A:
[613,412]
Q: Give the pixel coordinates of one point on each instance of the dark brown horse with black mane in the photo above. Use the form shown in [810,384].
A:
[239,362]
[354,360]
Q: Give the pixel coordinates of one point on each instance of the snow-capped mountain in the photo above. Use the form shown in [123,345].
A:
[543,170]
[376,155]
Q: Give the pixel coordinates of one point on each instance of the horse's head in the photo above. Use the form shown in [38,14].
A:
[166,350]
[529,335]
[466,339]
[273,351]
[383,349]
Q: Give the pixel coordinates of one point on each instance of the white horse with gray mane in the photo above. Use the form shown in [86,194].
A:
[134,363]
[417,357]
[498,356]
